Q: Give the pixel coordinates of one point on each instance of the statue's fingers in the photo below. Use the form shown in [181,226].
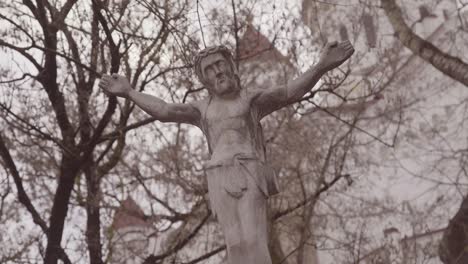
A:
[344,44]
[103,83]
[105,88]
[105,79]
[105,91]
[332,44]
[349,48]
[343,48]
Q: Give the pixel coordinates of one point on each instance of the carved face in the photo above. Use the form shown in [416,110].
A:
[218,75]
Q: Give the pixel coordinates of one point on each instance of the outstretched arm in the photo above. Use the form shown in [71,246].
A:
[165,112]
[275,98]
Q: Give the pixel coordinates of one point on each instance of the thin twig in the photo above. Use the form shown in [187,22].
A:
[349,124]
[199,22]
[42,133]
[236,33]
[17,79]
[191,91]
[207,255]
[314,196]
[178,246]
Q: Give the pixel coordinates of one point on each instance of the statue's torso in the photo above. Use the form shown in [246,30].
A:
[231,128]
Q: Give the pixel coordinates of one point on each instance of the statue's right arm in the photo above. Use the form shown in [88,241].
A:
[165,112]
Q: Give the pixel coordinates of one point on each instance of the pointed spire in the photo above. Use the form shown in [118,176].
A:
[255,45]
[129,214]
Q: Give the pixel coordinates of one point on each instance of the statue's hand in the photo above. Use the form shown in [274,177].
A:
[335,54]
[115,84]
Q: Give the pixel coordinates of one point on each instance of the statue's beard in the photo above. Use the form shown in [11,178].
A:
[225,84]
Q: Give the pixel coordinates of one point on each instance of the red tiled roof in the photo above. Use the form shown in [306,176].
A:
[129,214]
[254,45]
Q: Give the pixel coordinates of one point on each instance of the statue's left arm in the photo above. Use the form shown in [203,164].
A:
[272,99]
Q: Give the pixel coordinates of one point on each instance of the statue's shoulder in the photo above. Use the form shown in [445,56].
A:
[253,93]
[199,104]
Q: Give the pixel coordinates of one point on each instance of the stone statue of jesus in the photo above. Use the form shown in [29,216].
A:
[239,180]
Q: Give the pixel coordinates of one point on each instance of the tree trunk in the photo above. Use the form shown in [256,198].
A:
[68,172]
[452,249]
[276,251]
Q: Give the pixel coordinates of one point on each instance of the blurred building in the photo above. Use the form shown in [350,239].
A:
[261,64]
[430,120]
[133,237]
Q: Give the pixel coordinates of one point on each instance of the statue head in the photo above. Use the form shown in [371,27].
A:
[215,68]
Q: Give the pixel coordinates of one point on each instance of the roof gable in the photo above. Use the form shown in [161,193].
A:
[129,214]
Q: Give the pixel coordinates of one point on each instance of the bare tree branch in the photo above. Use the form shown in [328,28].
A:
[23,196]
[449,65]
[180,244]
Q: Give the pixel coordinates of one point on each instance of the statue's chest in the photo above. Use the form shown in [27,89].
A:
[220,111]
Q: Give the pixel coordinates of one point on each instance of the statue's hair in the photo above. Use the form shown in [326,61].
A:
[223,50]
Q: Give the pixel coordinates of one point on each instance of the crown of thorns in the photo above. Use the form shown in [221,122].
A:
[223,50]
